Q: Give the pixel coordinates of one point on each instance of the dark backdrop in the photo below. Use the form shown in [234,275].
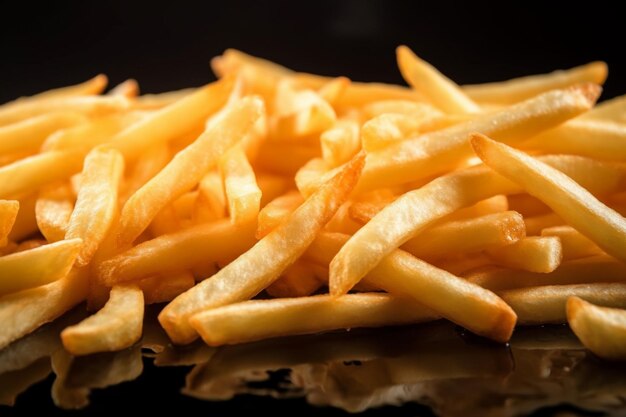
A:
[52,43]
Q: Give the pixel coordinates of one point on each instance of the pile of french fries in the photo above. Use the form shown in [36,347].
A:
[489,205]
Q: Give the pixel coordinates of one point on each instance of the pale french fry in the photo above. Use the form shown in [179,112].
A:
[340,143]
[39,266]
[96,203]
[242,192]
[404,275]
[276,211]
[298,280]
[601,268]
[163,289]
[116,326]
[542,305]
[208,243]
[8,214]
[25,311]
[518,89]
[261,319]
[535,254]
[439,89]
[574,244]
[53,211]
[187,168]
[257,268]
[174,120]
[601,329]
[577,206]
[28,135]
[467,236]
[31,173]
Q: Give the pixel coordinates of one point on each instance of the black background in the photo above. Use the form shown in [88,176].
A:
[55,43]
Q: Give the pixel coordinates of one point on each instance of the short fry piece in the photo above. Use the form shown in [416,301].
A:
[39,266]
[257,268]
[577,206]
[240,186]
[262,319]
[536,254]
[116,326]
[601,329]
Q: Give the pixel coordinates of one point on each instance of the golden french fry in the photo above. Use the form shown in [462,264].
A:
[187,168]
[29,134]
[174,120]
[299,280]
[96,203]
[25,311]
[145,168]
[240,187]
[116,326]
[518,89]
[261,319]
[574,244]
[257,268]
[53,211]
[276,211]
[577,206]
[38,266]
[163,289]
[601,268]
[208,243]
[439,89]
[546,304]
[31,173]
[299,114]
[340,143]
[389,128]
[535,254]
[93,86]
[8,214]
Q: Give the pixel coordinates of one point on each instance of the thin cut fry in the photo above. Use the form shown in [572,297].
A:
[257,268]
[116,326]
[242,192]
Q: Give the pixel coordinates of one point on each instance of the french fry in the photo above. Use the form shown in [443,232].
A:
[96,203]
[8,214]
[535,224]
[242,192]
[116,326]
[518,89]
[573,243]
[257,268]
[276,211]
[219,241]
[542,305]
[440,90]
[340,143]
[298,280]
[211,203]
[28,135]
[39,266]
[93,86]
[174,120]
[612,110]
[412,109]
[160,100]
[601,268]
[143,170]
[25,311]
[53,211]
[25,224]
[273,186]
[601,329]
[163,289]
[128,89]
[261,319]
[535,254]
[187,168]
[332,91]
[577,206]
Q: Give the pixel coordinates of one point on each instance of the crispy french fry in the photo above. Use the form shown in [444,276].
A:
[257,268]
[187,168]
[276,211]
[518,89]
[8,214]
[535,254]
[96,203]
[53,211]
[340,143]
[116,326]
[298,280]
[577,206]
[542,305]
[261,319]
[39,266]
[601,329]
[208,243]
[439,89]
[574,244]
[242,192]
[25,311]
[601,268]
[174,120]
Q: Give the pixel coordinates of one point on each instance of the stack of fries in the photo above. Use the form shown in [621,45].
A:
[488,205]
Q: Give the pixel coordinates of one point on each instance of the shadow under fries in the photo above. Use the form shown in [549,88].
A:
[434,364]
